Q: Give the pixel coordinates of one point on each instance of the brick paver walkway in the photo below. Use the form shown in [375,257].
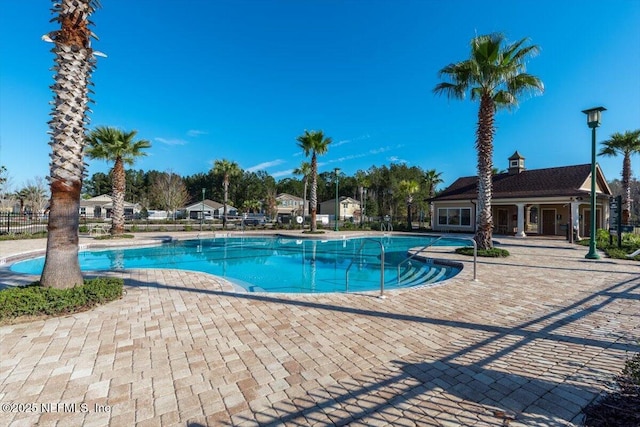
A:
[536,338]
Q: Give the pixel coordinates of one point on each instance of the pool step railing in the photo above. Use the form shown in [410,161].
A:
[424,274]
[424,248]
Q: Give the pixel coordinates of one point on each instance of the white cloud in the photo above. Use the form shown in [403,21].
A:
[173,141]
[282,173]
[348,141]
[265,165]
[196,133]
[379,150]
[396,159]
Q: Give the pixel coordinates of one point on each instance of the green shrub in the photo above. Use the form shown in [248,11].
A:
[604,242]
[118,236]
[631,370]
[35,300]
[491,253]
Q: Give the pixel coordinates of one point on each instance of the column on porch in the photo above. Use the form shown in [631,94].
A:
[575,215]
[521,216]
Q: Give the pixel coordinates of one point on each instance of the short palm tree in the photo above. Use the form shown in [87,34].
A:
[227,170]
[627,144]
[119,147]
[495,75]
[432,178]
[314,143]
[305,171]
[408,188]
[74,63]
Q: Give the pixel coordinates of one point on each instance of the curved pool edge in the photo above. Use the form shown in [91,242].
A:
[9,278]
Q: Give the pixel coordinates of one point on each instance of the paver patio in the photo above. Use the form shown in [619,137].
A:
[535,339]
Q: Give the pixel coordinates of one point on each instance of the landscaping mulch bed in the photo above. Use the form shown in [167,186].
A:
[619,409]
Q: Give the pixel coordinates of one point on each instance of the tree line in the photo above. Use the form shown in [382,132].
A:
[387,188]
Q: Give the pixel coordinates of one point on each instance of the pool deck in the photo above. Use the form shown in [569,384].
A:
[537,337]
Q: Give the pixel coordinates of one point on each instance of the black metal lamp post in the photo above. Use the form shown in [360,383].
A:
[593,121]
[202,214]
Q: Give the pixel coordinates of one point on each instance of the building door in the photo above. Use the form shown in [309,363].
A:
[503,221]
[549,221]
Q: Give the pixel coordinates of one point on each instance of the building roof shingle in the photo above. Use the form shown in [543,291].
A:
[548,182]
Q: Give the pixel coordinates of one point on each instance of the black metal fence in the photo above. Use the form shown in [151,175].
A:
[23,223]
[26,223]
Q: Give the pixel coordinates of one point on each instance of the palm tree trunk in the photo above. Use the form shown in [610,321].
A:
[314,192]
[626,188]
[484,145]
[304,202]
[119,188]
[225,183]
[432,194]
[73,65]
[61,266]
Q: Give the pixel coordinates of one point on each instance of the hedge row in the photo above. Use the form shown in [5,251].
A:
[35,299]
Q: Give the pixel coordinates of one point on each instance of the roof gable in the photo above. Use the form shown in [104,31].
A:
[287,196]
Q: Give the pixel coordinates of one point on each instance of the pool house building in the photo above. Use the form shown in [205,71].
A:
[538,201]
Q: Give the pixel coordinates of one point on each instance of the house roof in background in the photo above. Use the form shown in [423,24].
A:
[549,182]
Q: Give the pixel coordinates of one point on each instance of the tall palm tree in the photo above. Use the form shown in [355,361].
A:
[432,178]
[408,188]
[314,143]
[627,143]
[305,171]
[228,170]
[495,75]
[119,147]
[74,63]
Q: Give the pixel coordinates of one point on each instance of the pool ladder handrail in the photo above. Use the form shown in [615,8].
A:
[475,253]
[346,274]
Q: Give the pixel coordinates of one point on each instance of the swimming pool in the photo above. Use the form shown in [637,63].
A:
[279,264]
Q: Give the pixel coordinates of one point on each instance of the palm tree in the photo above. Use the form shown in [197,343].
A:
[74,63]
[432,178]
[314,143]
[627,143]
[119,147]
[305,171]
[495,75]
[408,188]
[228,170]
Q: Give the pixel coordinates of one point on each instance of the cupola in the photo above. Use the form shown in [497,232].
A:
[516,163]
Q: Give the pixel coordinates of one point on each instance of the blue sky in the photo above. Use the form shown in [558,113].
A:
[240,80]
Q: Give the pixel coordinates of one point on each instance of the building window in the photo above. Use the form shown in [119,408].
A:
[533,215]
[454,216]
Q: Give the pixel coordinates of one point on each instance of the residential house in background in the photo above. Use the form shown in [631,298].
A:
[348,208]
[210,208]
[537,201]
[101,207]
[290,206]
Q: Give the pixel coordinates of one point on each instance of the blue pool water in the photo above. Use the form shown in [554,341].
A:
[277,264]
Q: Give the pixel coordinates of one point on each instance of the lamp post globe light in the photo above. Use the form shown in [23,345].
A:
[336,170]
[593,121]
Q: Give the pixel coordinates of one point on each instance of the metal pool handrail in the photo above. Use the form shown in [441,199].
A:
[346,274]
[475,253]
